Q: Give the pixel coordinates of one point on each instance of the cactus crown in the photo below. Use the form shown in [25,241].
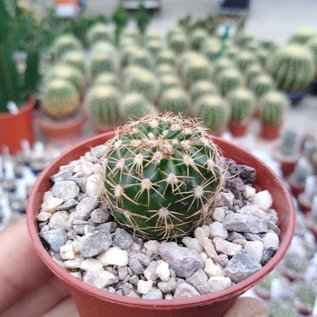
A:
[140,57]
[245,59]
[212,48]
[253,71]
[175,100]
[154,47]
[177,43]
[164,69]
[262,84]
[64,44]
[99,32]
[166,57]
[162,176]
[198,38]
[168,81]
[202,88]
[302,36]
[103,61]
[222,64]
[106,79]
[273,107]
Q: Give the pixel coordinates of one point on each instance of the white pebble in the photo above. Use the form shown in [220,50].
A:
[255,250]
[99,279]
[271,240]
[73,264]
[263,200]
[43,216]
[152,245]
[226,247]
[163,271]
[217,229]
[219,214]
[91,265]
[67,252]
[50,203]
[114,256]
[144,286]
[209,248]
[94,186]
[249,191]
[212,269]
[219,283]
[200,233]
[76,275]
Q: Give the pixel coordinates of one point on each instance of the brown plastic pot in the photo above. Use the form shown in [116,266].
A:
[287,163]
[93,302]
[270,132]
[17,127]
[304,204]
[238,130]
[63,130]
[296,188]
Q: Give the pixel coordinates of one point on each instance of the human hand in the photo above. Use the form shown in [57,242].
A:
[28,288]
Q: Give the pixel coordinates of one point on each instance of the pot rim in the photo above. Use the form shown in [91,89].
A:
[234,290]
[27,106]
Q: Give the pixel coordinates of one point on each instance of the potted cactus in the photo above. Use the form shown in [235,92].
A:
[303,36]
[273,108]
[294,83]
[241,102]
[64,44]
[99,32]
[202,88]
[305,295]
[229,80]
[305,199]
[176,100]
[312,45]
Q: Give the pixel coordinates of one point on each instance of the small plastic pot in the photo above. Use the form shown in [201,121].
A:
[238,130]
[287,163]
[304,204]
[17,127]
[296,188]
[270,132]
[296,97]
[93,302]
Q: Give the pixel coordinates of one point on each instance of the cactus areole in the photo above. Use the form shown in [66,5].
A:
[162,176]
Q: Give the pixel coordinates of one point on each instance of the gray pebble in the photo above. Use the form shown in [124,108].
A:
[65,190]
[200,281]
[109,227]
[95,244]
[62,175]
[58,220]
[99,216]
[245,223]
[193,243]
[55,238]
[122,239]
[138,262]
[149,272]
[134,279]
[252,237]
[68,204]
[122,272]
[167,287]
[85,207]
[185,290]
[153,294]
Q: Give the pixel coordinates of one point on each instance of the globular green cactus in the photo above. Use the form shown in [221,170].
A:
[178,43]
[104,47]
[75,59]
[273,108]
[140,57]
[292,68]
[168,81]
[245,59]
[212,48]
[99,32]
[152,36]
[262,56]
[106,79]
[198,38]
[177,29]
[229,80]
[175,100]
[166,57]
[102,106]
[252,72]
[302,36]
[302,170]
[162,176]
[130,33]
[289,144]
[222,64]
[165,69]
[154,47]
[282,309]
[262,84]
[268,45]
[202,88]
[65,43]
[126,53]
[60,99]
[126,42]
[231,52]
[244,39]
[213,111]
[312,45]
[135,105]
[241,102]
[143,81]
[306,294]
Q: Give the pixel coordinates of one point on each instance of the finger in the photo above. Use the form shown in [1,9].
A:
[247,307]
[21,270]
[39,300]
[66,308]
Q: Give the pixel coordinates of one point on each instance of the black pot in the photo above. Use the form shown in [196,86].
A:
[296,97]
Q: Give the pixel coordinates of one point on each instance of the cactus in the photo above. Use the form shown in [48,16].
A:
[165,69]
[102,106]
[177,43]
[175,100]
[273,108]
[163,191]
[312,45]
[135,105]
[268,45]
[229,80]
[305,294]
[231,52]
[262,57]
[245,59]
[75,59]
[289,144]
[222,64]
[282,309]
[302,36]
[104,47]
[292,68]
[261,85]
[65,43]
[143,81]
[198,38]
[99,32]
[177,29]
[60,99]
[213,111]
[102,61]
[244,39]
[126,53]
[302,170]
[130,33]
[202,88]
[106,79]
[168,81]
[152,36]
[154,47]
[166,57]
[212,48]
[252,72]
[140,57]
[241,102]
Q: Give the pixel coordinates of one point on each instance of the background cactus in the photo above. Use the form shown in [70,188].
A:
[229,80]
[175,100]
[140,57]
[99,32]
[198,38]
[223,63]
[252,72]
[102,106]
[154,47]
[245,59]
[261,84]
[168,81]
[282,309]
[106,79]
[302,170]
[289,144]
[213,111]
[177,43]
[241,102]
[101,62]
[305,294]
[60,99]
[302,36]
[65,43]
[273,108]
[75,59]
[145,185]
[166,57]
[212,48]
[165,69]
[292,68]
[202,88]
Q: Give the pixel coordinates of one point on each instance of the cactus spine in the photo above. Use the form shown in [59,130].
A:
[145,171]
[175,100]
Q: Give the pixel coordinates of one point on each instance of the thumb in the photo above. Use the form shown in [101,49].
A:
[247,307]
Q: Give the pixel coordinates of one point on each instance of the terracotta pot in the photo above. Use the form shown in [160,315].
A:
[93,302]
[270,132]
[296,188]
[287,163]
[17,127]
[238,130]
[63,130]
[304,204]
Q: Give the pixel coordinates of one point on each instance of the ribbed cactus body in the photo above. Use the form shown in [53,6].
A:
[130,33]
[229,80]
[177,29]
[241,102]
[140,57]
[64,44]
[60,99]
[102,106]
[212,48]
[152,36]
[302,36]
[292,67]
[101,62]
[168,81]
[213,111]
[162,176]
[244,39]
[166,57]
[175,100]
[198,38]
[252,72]
[245,59]
[231,52]
[262,84]
[135,105]
[126,53]
[202,88]
[106,79]
[312,45]
[178,43]
[262,56]
[75,59]
[273,108]
[222,64]
[99,32]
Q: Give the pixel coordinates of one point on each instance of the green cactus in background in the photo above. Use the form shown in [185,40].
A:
[101,62]
[273,108]
[312,45]
[120,19]
[99,32]
[262,84]
[302,170]
[154,47]
[231,52]
[126,42]
[152,36]
[168,81]
[222,64]
[135,105]
[213,111]
[75,59]
[166,57]
[305,293]
[140,57]
[282,309]
[143,81]
[245,59]
[104,47]
[175,100]
[229,80]
[302,36]
[165,69]
[202,88]
[142,18]
[126,53]
[65,43]
[163,191]
[102,106]
[60,99]
[252,72]
[130,33]
[198,38]
[268,45]
[241,102]
[289,143]
[178,43]
[176,30]
[244,39]
[292,68]
[106,79]
[212,48]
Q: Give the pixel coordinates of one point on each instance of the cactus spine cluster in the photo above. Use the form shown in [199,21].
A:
[229,80]
[60,99]
[202,88]
[162,176]
[292,68]
[99,32]
[273,108]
